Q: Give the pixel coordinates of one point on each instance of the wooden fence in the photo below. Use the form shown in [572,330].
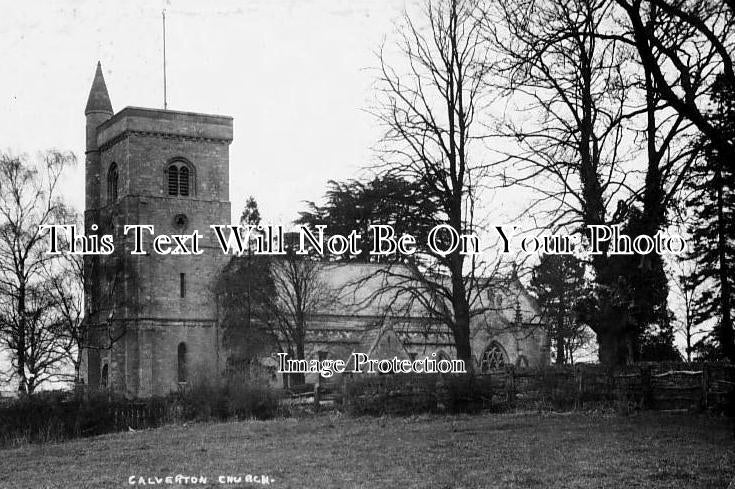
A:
[140,415]
[658,386]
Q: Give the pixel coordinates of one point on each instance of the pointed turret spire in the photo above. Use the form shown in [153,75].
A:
[99,99]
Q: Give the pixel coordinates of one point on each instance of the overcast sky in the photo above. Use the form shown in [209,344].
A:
[294,74]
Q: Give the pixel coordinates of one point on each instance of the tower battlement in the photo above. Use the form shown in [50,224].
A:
[189,125]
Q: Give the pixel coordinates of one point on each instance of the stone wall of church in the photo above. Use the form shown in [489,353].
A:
[147,362]
[142,161]
[338,337]
[163,300]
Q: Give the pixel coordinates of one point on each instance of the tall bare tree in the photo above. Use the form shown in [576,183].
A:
[29,328]
[689,292]
[597,145]
[301,291]
[572,92]
[430,96]
[685,45]
[65,281]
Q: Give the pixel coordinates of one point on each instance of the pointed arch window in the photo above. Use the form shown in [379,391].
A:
[104,378]
[493,358]
[112,179]
[179,179]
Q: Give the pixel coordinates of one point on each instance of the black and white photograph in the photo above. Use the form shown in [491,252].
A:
[445,244]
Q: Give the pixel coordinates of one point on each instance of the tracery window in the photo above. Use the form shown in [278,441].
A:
[493,357]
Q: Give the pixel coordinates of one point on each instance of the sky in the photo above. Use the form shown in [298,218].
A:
[296,76]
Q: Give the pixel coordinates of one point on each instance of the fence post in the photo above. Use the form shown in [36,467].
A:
[705,386]
[317,384]
[578,376]
[316,397]
[647,388]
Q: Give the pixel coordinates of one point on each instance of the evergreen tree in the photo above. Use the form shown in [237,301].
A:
[648,289]
[713,232]
[355,205]
[558,283]
[251,214]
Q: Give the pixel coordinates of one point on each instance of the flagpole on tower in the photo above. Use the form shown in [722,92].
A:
[165,99]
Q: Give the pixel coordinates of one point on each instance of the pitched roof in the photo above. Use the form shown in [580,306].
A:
[377,289]
[367,289]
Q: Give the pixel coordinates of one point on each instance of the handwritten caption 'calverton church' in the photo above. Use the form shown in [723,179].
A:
[441,240]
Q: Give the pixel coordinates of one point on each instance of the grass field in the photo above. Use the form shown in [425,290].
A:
[483,451]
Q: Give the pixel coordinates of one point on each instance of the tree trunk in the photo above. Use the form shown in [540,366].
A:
[724,330]
[462,341]
[77,371]
[614,342]
[560,340]
[299,378]
[561,358]
[461,326]
[21,341]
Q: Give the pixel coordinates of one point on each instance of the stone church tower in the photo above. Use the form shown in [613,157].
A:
[152,316]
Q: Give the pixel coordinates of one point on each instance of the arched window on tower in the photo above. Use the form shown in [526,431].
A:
[104,378]
[173,180]
[112,179]
[180,179]
[181,360]
[493,358]
[184,181]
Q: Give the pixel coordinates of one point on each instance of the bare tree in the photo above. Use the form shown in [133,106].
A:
[68,282]
[595,143]
[429,99]
[573,91]
[689,292]
[301,291]
[268,302]
[684,45]
[66,286]
[29,326]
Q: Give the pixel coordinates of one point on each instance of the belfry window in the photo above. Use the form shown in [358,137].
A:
[173,180]
[183,181]
[112,182]
[179,179]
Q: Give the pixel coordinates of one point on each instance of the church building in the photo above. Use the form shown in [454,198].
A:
[153,318]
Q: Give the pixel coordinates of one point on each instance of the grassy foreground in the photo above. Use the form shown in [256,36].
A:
[483,451]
